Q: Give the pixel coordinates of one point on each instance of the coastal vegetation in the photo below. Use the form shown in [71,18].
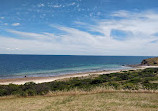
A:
[132,80]
[150,61]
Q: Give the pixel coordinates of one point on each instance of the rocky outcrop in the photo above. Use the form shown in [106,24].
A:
[150,62]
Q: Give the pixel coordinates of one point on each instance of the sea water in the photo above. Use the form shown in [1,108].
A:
[13,66]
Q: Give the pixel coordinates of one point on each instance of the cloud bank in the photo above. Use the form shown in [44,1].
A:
[126,33]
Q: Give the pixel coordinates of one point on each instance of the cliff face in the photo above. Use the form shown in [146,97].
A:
[150,61]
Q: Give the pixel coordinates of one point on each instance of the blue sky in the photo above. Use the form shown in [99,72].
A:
[79,27]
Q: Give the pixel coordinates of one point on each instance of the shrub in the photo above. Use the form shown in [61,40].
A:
[96,81]
[150,86]
[3,92]
[135,80]
[23,93]
[130,86]
[114,85]
[42,89]
[30,92]
[29,85]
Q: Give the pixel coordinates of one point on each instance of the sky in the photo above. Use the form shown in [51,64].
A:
[79,27]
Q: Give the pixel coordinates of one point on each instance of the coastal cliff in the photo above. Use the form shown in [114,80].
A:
[150,62]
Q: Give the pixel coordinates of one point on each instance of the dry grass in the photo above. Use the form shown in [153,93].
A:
[99,99]
[97,90]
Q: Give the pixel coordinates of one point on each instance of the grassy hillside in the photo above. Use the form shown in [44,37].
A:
[125,91]
[83,102]
[150,61]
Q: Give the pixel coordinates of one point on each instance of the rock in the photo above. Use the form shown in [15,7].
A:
[150,62]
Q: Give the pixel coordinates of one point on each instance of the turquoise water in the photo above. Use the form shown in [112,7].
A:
[12,66]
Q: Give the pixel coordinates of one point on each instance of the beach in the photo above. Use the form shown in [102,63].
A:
[51,78]
[20,81]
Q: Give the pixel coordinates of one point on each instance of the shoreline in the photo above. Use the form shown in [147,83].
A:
[20,81]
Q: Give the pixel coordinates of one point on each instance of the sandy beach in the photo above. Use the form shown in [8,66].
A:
[53,78]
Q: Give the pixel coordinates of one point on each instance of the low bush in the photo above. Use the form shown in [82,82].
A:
[128,80]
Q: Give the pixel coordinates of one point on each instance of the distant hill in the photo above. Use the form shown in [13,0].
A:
[150,61]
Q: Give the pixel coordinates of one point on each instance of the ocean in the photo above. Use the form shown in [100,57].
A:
[19,66]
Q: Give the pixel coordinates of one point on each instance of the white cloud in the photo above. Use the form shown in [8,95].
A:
[41,5]
[140,40]
[34,36]
[15,24]
[2,17]
[57,6]
[121,13]
[12,49]
[71,4]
